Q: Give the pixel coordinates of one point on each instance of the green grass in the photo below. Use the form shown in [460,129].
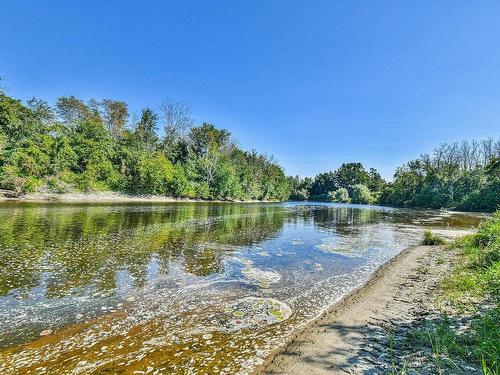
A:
[442,340]
[474,285]
[485,341]
[477,276]
[472,288]
[395,369]
[431,239]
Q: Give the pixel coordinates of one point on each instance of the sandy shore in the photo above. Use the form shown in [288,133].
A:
[353,336]
[107,197]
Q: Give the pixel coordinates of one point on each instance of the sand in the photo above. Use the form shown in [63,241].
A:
[106,197]
[352,337]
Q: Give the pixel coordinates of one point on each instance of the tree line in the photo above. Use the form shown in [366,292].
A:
[349,183]
[96,146]
[462,175]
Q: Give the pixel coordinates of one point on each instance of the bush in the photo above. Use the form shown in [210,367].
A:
[180,186]
[151,174]
[486,199]
[202,190]
[300,195]
[361,194]
[432,240]
[57,185]
[12,179]
[340,195]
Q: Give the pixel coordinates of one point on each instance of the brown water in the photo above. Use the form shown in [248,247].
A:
[182,287]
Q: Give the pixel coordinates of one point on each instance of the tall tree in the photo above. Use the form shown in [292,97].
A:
[177,120]
[71,111]
[146,129]
[115,115]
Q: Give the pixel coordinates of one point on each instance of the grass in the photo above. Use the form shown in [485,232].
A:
[474,285]
[395,370]
[423,270]
[431,239]
[477,276]
[473,288]
[485,341]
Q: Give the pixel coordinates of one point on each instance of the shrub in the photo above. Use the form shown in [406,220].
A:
[300,195]
[202,190]
[151,173]
[340,195]
[57,185]
[361,194]
[180,185]
[432,240]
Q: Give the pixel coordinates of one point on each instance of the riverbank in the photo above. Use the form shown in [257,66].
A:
[358,334]
[108,197]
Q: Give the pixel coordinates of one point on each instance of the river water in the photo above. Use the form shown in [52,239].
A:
[182,288]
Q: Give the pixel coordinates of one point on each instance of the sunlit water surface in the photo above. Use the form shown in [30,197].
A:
[182,287]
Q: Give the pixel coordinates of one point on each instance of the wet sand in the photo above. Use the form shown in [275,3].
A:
[349,338]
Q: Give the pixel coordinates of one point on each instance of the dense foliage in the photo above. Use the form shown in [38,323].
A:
[93,146]
[350,182]
[464,176]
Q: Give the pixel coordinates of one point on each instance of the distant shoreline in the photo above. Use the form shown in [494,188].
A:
[112,197]
[116,197]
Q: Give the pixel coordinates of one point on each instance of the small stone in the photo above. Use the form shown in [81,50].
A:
[46,332]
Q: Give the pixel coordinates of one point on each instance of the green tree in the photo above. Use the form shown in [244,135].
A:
[361,194]
[151,174]
[180,186]
[86,146]
[115,115]
[72,111]
[350,174]
[340,195]
[145,130]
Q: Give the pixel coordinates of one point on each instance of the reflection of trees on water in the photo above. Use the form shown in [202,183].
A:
[78,246]
[346,219]
[342,220]
[63,248]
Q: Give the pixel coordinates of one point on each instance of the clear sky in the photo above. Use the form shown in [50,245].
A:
[315,83]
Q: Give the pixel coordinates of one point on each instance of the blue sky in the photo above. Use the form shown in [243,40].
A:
[315,83]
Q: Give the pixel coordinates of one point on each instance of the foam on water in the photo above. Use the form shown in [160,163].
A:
[181,288]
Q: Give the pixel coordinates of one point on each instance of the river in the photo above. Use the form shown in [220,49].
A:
[181,288]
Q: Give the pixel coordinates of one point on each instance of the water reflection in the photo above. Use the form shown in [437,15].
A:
[73,247]
[187,268]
